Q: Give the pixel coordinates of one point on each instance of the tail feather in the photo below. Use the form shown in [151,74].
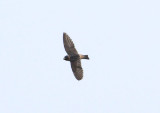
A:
[86,57]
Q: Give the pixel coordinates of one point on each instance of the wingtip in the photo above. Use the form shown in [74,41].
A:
[79,79]
[64,33]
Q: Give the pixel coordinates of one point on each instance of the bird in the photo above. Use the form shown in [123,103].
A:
[73,56]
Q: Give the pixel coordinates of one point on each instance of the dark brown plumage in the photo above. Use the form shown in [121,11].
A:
[73,57]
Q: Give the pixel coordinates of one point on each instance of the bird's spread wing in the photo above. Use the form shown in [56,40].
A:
[77,69]
[69,45]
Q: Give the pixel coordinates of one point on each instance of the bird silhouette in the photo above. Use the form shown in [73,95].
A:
[73,57]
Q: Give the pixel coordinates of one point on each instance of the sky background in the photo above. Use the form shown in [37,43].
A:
[121,37]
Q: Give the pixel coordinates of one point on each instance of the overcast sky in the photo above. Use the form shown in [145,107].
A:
[121,37]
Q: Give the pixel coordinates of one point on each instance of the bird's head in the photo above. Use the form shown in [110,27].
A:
[66,58]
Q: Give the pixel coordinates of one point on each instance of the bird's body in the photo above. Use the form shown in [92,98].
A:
[73,57]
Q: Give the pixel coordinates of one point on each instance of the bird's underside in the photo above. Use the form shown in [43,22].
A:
[73,57]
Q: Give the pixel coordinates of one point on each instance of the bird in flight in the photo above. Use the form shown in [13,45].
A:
[73,57]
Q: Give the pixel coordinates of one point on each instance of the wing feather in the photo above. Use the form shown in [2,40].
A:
[69,45]
[77,69]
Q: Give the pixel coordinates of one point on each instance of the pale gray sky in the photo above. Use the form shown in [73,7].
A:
[121,37]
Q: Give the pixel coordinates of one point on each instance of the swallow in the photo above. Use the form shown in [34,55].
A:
[73,57]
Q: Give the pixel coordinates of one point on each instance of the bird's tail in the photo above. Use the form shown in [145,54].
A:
[86,57]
